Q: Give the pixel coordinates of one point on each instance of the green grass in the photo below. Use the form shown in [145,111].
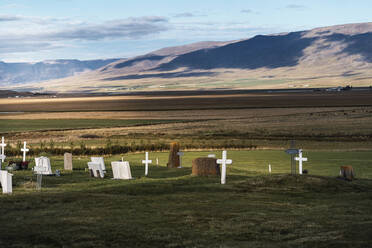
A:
[170,208]
[7,126]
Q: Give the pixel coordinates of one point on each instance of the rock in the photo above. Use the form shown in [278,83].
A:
[174,158]
[205,167]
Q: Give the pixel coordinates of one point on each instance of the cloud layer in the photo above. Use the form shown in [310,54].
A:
[47,33]
[38,38]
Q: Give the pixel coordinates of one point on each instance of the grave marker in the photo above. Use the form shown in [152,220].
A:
[6,181]
[97,167]
[24,150]
[180,154]
[292,151]
[300,159]
[40,170]
[68,161]
[3,145]
[42,166]
[205,167]
[100,161]
[146,162]
[121,170]
[224,161]
[174,159]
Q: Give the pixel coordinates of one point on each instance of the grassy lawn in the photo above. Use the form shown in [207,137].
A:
[170,208]
[7,126]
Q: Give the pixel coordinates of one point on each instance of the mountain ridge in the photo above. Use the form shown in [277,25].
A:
[321,57]
[23,72]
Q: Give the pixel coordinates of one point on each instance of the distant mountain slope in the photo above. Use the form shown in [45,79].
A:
[17,73]
[327,56]
[156,58]
[270,51]
[260,51]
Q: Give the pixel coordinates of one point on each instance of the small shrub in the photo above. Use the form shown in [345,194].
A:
[90,136]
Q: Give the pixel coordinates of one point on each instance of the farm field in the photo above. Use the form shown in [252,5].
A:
[24,125]
[312,128]
[188,102]
[170,208]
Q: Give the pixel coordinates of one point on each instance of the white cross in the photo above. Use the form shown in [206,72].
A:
[224,161]
[300,159]
[180,154]
[24,150]
[147,162]
[3,145]
[2,158]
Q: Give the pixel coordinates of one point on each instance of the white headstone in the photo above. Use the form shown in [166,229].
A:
[270,168]
[6,181]
[121,170]
[157,161]
[3,145]
[67,163]
[42,166]
[211,155]
[180,154]
[147,162]
[96,168]
[100,161]
[224,161]
[24,150]
[300,159]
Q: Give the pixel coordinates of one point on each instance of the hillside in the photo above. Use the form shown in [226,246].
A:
[328,56]
[19,73]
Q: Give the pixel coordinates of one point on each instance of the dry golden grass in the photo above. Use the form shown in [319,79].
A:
[245,118]
[271,124]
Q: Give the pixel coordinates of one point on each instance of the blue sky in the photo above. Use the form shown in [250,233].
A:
[35,30]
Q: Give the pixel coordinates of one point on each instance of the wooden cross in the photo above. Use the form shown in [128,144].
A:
[24,150]
[146,162]
[300,159]
[224,161]
[180,154]
[3,145]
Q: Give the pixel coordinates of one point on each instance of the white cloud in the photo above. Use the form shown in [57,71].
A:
[296,6]
[24,34]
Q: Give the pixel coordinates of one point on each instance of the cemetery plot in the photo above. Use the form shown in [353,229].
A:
[171,206]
